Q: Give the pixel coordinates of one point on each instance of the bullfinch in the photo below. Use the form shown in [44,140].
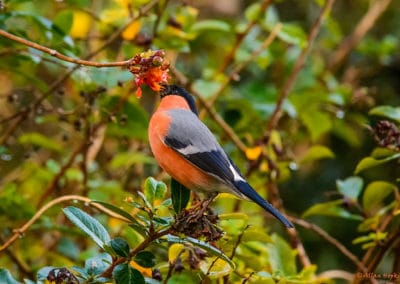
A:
[187,150]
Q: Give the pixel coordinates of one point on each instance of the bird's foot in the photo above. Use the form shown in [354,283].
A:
[199,221]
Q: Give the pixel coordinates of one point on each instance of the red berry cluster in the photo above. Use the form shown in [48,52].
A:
[151,68]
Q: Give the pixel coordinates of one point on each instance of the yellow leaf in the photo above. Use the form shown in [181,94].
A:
[227,195]
[145,271]
[174,251]
[264,167]
[124,3]
[81,25]
[215,268]
[253,153]
[131,31]
[275,139]
[114,223]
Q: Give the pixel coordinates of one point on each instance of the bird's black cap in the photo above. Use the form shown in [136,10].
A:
[167,90]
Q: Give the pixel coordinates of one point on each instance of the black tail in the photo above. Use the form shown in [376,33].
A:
[251,194]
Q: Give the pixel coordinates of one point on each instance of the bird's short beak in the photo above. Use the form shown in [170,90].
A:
[164,89]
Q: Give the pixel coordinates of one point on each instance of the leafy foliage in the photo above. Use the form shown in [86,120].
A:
[320,138]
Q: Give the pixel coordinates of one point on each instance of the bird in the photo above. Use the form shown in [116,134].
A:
[186,149]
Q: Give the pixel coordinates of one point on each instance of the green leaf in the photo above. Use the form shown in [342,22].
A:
[370,240]
[331,208]
[252,12]
[282,256]
[183,277]
[6,278]
[97,264]
[293,34]
[317,123]
[370,162]
[127,159]
[254,234]
[206,88]
[38,139]
[120,247]
[154,190]
[380,153]
[88,225]
[206,246]
[180,196]
[317,152]
[211,25]
[387,112]
[145,259]
[350,187]
[375,193]
[42,274]
[125,274]
[64,20]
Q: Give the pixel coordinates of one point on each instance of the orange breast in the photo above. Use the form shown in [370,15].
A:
[171,161]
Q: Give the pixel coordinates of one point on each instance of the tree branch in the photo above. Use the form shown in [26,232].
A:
[289,83]
[59,55]
[266,43]
[332,241]
[241,36]
[363,26]
[20,231]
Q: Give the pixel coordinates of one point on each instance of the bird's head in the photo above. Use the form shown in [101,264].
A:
[175,90]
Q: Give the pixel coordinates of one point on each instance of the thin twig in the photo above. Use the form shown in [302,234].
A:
[332,241]
[133,252]
[240,37]
[11,129]
[336,274]
[22,265]
[364,25]
[266,43]
[59,55]
[54,182]
[19,232]
[289,83]
[296,242]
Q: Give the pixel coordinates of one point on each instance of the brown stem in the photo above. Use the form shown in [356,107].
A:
[59,55]
[240,37]
[108,272]
[289,83]
[332,241]
[267,42]
[20,231]
[53,184]
[363,26]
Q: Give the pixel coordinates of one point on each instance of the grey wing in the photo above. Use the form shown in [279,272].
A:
[194,141]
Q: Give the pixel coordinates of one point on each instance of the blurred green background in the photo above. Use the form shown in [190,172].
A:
[68,129]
